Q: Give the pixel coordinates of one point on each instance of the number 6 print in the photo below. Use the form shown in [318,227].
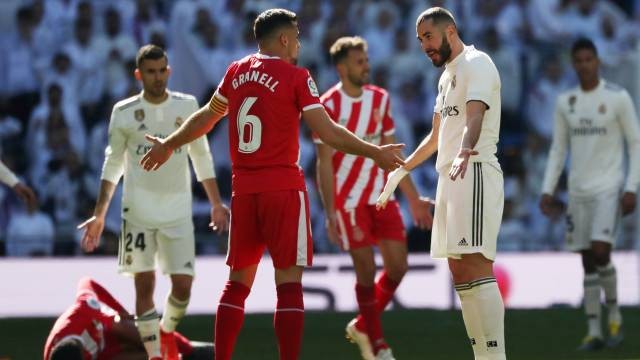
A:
[250,123]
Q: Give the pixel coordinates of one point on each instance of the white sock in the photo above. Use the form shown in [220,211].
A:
[174,310]
[471,321]
[490,310]
[609,283]
[592,304]
[148,325]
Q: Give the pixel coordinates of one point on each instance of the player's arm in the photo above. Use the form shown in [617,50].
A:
[420,207]
[24,192]
[427,147]
[341,139]
[87,285]
[631,130]
[555,163]
[325,178]
[112,170]
[197,125]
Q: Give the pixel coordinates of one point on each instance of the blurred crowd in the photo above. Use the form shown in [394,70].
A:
[64,63]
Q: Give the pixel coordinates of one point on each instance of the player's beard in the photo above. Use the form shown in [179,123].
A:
[359,80]
[444,52]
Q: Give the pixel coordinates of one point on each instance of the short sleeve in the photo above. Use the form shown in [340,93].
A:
[437,107]
[306,91]
[482,80]
[223,88]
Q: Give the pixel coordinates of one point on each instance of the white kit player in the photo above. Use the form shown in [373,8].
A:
[156,208]
[592,122]
[470,197]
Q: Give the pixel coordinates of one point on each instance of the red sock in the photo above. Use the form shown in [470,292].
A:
[385,288]
[371,316]
[288,320]
[229,319]
[184,346]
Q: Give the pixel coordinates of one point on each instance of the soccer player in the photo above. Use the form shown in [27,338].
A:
[265,95]
[466,123]
[97,326]
[156,210]
[350,185]
[592,122]
[24,192]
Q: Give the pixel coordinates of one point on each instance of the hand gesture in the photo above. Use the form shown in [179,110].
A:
[392,183]
[332,230]
[92,232]
[220,218]
[546,204]
[157,155]
[421,212]
[27,195]
[460,163]
[388,157]
[628,203]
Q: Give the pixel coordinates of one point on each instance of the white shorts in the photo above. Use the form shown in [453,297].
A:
[593,218]
[468,213]
[173,246]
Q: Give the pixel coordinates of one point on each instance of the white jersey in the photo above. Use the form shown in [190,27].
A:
[162,197]
[470,76]
[594,125]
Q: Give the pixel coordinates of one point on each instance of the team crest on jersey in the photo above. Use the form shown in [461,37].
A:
[377,115]
[179,121]
[602,109]
[139,114]
[453,82]
[93,303]
[313,89]
[572,103]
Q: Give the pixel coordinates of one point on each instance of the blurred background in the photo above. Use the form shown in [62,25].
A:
[64,63]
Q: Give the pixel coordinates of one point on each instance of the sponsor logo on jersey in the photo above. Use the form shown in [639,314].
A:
[313,89]
[572,103]
[179,122]
[449,111]
[602,109]
[463,242]
[139,114]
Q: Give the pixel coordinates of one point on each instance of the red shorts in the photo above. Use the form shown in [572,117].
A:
[365,226]
[277,221]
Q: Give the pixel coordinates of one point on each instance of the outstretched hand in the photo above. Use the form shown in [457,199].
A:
[389,157]
[92,232]
[460,163]
[157,155]
[27,195]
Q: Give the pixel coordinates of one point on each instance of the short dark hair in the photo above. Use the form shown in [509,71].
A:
[439,15]
[69,351]
[149,52]
[582,44]
[340,49]
[271,20]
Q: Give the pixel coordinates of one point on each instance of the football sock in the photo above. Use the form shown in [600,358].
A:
[471,319]
[288,320]
[592,304]
[371,316]
[385,288]
[229,318]
[174,310]
[609,283]
[148,325]
[486,298]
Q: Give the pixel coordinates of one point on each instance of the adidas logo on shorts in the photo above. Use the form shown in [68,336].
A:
[463,242]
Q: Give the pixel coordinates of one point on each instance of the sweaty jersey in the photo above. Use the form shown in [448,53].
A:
[162,197]
[594,126]
[358,180]
[88,321]
[469,76]
[265,97]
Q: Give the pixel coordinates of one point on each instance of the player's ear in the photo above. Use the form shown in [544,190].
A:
[284,39]
[137,74]
[168,70]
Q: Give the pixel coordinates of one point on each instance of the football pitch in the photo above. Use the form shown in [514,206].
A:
[413,334]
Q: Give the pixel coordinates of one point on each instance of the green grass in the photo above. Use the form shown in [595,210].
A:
[416,334]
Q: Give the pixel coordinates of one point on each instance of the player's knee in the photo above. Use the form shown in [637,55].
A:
[397,271]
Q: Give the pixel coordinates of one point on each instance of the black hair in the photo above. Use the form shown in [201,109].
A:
[149,52]
[271,20]
[69,351]
[582,44]
[439,15]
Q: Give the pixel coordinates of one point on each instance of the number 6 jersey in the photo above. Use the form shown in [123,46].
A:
[264,97]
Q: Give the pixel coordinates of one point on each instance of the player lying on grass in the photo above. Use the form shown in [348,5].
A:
[97,326]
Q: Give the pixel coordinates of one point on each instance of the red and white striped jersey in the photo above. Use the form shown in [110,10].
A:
[357,180]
